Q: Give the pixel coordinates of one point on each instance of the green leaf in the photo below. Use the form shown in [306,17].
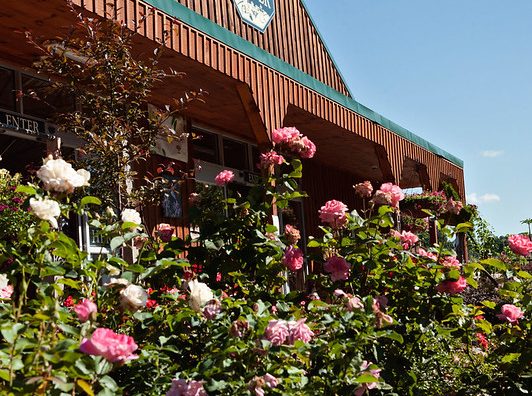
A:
[9,331]
[510,357]
[89,201]
[28,190]
[524,275]
[464,227]
[313,243]
[366,379]
[489,304]
[85,386]
[117,242]
[494,263]
[394,336]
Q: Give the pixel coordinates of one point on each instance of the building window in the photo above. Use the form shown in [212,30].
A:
[41,99]
[7,89]
[205,146]
[235,154]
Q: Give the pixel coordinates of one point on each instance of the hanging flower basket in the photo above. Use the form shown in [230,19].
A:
[415,204]
[464,216]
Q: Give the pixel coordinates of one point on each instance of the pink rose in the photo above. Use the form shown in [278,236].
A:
[454,207]
[113,347]
[369,385]
[165,232]
[354,303]
[339,293]
[364,189]
[270,158]
[181,387]
[333,213]
[510,313]
[285,135]
[393,194]
[293,258]
[6,292]
[85,310]
[452,287]
[277,332]
[337,267]
[299,331]
[450,262]
[408,239]
[290,139]
[291,234]
[270,380]
[309,148]
[224,177]
[423,253]
[520,244]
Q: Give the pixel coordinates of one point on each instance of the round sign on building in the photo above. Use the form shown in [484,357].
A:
[257,13]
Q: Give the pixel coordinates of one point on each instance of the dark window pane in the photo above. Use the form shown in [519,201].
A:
[235,154]
[7,89]
[204,146]
[255,156]
[42,100]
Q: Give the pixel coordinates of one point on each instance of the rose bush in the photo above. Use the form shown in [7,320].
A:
[103,325]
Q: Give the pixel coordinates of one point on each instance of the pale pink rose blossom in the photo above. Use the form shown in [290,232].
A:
[85,310]
[299,331]
[181,387]
[364,189]
[333,213]
[270,158]
[337,267]
[408,239]
[285,135]
[291,234]
[354,303]
[224,177]
[116,348]
[450,262]
[392,193]
[165,232]
[270,380]
[382,319]
[277,332]
[520,244]
[340,293]
[453,206]
[452,287]
[6,290]
[423,253]
[369,385]
[293,258]
[510,313]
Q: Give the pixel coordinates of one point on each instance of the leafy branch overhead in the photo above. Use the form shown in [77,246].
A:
[94,63]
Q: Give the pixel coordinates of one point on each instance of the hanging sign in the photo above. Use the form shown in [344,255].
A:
[257,13]
[19,123]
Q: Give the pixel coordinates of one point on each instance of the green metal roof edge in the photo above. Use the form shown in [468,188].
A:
[326,48]
[185,14]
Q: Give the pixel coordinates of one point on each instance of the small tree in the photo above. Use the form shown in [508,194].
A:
[94,63]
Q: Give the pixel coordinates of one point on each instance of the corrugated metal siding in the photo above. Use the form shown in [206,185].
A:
[291,35]
[272,91]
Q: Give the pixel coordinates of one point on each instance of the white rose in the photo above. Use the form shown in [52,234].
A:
[200,294]
[133,298]
[58,175]
[46,209]
[131,216]
[108,281]
[3,281]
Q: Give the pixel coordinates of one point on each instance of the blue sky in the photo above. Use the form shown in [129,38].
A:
[457,73]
